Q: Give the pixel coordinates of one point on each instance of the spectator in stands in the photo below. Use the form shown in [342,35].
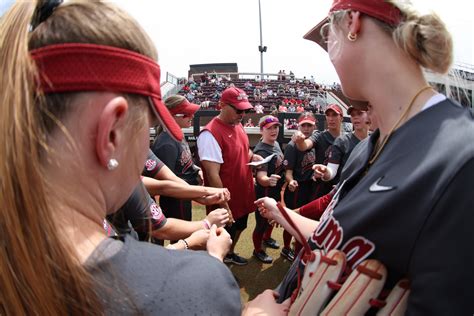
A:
[216,95]
[248,85]
[258,108]
[224,152]
[321,142]
[205,78]
[292,108]
[249,123]
[72,150]
[269,182]
[282,107]
[190,95]
[299,108]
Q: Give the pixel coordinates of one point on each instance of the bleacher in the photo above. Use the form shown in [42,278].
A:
[313,96]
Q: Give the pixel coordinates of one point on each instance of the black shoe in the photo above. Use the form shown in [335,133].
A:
[235,259]
[271,243]
[288,254]
[262,256]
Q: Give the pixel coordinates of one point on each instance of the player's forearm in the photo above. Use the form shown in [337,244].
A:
[174,189]
[305,225]
[304,145]
[289,175]
[175,229]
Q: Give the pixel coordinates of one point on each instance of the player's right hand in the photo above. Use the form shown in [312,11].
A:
[219,242]
[292,185]
[298,137]
[273,180]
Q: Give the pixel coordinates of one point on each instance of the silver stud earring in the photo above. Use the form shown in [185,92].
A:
[112,164]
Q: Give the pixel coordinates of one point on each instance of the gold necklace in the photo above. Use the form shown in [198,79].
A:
[378,149]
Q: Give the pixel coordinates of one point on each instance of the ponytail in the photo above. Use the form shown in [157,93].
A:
[425,38]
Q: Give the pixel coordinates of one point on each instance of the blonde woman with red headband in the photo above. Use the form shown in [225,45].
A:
[79,89]
[405,196]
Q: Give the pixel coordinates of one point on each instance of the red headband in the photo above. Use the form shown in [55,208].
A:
[89,67]
[185,107]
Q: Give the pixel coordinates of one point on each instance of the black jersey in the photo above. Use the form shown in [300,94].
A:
[159,281]
[321,143]
[340,150]
[140,213]
[301,162]
[413,210]
[176,156]
[274,166]
[152,166]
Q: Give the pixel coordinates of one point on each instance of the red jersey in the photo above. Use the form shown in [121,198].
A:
[235,175]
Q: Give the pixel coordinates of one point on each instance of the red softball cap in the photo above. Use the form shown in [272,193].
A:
[74,67]
[306,120]
[236,97]
[379,9]
[334,107]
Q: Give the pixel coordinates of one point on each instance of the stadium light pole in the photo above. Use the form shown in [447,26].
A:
[262,49]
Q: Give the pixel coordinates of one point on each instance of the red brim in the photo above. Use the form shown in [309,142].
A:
[307,122]
[243,105]
[166,119]
[315,35]
[191,108]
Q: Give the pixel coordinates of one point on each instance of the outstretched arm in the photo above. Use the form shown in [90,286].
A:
[268,209]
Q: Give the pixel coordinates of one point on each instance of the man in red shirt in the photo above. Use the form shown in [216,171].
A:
[224,152]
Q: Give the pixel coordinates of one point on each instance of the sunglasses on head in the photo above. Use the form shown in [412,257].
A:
[237,110]
[269,120]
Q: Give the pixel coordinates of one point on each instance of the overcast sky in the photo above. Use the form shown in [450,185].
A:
[212,31]
[221,31]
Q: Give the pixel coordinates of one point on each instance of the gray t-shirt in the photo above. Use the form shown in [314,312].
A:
[141,278]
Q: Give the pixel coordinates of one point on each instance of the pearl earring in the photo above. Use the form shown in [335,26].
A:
[112,164]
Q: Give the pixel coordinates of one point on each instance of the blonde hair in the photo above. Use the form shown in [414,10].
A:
[422,37]
[39,272]
[173,101]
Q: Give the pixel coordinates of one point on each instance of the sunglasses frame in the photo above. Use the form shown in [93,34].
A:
[239,111]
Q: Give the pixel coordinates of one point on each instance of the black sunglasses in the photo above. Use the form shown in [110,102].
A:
[237,110]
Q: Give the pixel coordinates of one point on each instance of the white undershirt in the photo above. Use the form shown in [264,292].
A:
[437,98]
[208,148]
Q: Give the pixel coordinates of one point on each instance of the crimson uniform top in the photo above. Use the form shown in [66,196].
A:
[413,210]
[235,175]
